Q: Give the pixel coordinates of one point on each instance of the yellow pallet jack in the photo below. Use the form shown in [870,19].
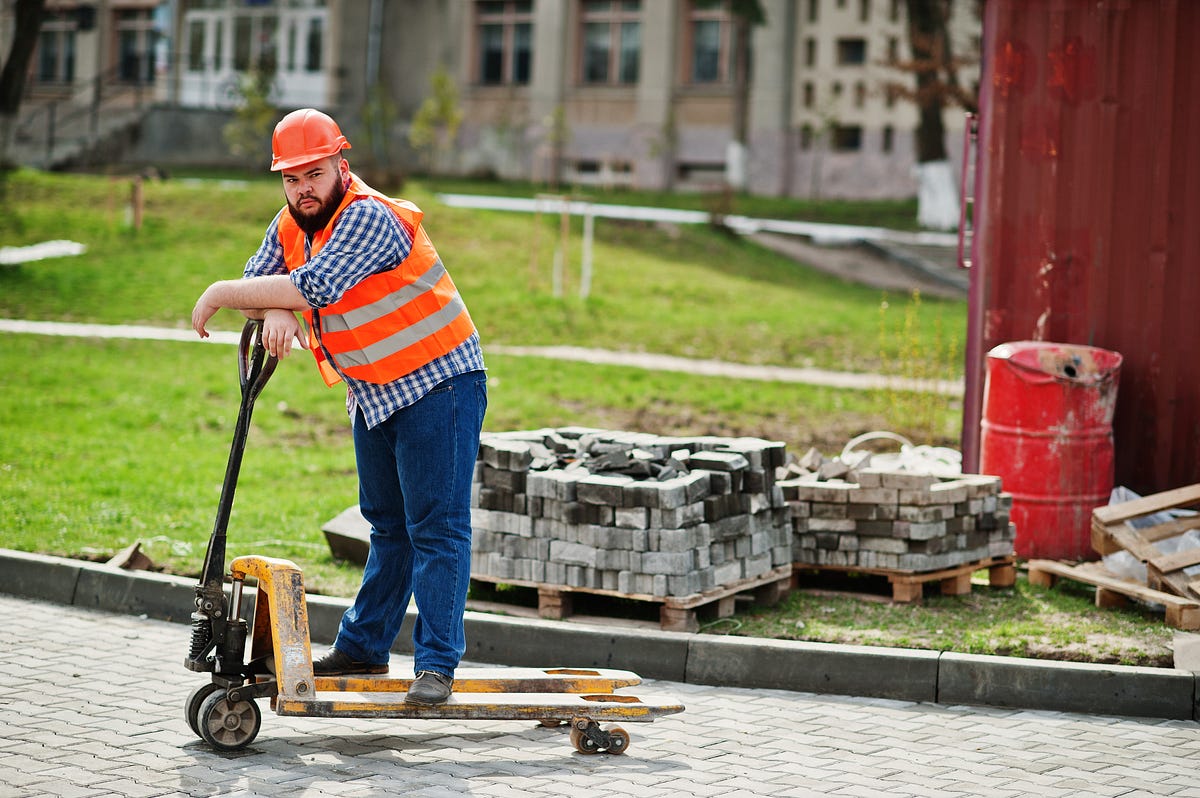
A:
[223,711]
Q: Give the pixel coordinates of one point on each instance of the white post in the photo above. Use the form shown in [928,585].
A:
[560,253]
[585,266]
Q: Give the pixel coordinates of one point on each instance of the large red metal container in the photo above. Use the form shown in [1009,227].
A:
[1047,432]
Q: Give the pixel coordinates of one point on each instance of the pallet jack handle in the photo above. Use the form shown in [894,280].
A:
[255,367]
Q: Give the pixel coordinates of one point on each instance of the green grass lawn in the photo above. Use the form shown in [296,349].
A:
[105,442]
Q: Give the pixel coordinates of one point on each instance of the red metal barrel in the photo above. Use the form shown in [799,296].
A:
[1047,432]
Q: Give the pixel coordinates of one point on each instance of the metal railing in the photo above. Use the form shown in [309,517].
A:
[76,117]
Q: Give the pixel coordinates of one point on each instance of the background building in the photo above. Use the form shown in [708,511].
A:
[632,92]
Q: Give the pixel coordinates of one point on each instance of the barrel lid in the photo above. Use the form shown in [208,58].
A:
[1062,361]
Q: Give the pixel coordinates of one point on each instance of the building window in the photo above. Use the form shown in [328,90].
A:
[135,46]
[711,32]
[612,41]
[505,41]
[315,45]
[864,10]
[860,94]
[813,10]
[894,13]
[851,52]
[889,135]
[806,137]
[847,138]
[56,49]
[810,94]
[195,47]
[255,43]
[810,52]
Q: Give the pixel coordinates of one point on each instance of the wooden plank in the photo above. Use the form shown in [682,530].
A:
[482,706]
[1177,561]
[1002,575]
[1102,542]
[1107,599]
[676,613]
[1041,577]
[1184,613]
[1183,617]
[1170,579]
[908,586]
[678,619]
[495,680]
[958,585]
[1179,497]
[1169,529]
[554,604]
[1128,539]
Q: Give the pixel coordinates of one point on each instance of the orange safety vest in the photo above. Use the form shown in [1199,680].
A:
[391,323]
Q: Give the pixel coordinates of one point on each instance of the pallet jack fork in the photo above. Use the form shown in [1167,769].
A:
[224,713]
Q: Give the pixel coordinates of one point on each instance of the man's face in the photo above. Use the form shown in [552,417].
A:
[314,191]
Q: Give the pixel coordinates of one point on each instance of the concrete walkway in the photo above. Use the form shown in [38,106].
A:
[643,360]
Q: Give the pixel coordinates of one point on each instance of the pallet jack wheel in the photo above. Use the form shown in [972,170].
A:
[191,708]
[582,742]
[589,738]
[618,740]
[228,725]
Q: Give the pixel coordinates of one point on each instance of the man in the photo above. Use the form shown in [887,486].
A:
[384,316]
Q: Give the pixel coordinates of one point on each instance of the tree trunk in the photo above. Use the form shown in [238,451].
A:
[937,197]
[735,153]
[28,16]
[744,14]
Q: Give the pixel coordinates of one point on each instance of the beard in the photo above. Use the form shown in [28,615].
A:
[314,221]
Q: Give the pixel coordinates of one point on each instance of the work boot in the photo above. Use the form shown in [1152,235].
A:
[335,663]
[429,688]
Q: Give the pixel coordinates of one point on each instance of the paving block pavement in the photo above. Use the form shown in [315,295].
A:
[91,704]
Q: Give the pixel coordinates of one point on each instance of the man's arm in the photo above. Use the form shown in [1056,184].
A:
[253,294]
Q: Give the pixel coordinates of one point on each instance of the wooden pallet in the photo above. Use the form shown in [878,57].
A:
[908,587]
[1113,591]
[676,613]
[1164,572]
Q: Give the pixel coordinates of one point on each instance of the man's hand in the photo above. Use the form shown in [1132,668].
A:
[280,328]
[204,310]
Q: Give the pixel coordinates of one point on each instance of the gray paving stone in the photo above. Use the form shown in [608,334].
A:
[733,742]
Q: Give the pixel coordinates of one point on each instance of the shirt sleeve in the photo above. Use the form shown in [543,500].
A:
[269,257]
[367,239]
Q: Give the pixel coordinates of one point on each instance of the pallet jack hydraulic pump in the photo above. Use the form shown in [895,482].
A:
[224,711]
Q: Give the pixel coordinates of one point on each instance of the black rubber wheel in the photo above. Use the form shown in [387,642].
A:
[191,708]
[228,725]
[618,740]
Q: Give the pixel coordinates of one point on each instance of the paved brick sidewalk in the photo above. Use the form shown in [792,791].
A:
[91,704]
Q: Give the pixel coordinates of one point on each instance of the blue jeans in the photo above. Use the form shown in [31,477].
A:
[414,481]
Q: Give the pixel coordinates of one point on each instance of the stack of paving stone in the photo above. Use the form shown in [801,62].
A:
[874,518]
[633,513]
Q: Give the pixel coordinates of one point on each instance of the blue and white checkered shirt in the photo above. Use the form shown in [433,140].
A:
[368,238]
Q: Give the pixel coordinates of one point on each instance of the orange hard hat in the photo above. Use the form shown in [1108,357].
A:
[305,136]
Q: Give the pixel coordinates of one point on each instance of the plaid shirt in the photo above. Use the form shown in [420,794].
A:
[367,238]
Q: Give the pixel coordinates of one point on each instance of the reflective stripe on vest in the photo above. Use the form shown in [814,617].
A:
[391,323]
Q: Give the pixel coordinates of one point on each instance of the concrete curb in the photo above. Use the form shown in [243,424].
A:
[865,671]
